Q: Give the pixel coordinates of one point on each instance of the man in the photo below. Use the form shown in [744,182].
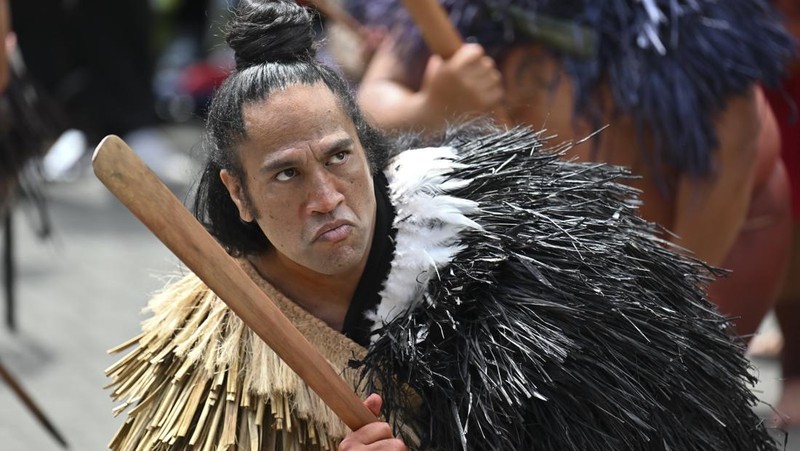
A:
[496,296]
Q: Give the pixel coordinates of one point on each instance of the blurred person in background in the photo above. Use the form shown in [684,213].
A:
[5,31]
[29,122]
[5,25]
[676,83]
[785,341]
[193,60]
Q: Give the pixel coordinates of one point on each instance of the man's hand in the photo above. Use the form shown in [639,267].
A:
[467,83]
[374,436]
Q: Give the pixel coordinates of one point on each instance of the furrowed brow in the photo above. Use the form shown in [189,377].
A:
[338,145]
[278,165]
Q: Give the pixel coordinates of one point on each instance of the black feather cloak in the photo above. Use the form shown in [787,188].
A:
[543,313]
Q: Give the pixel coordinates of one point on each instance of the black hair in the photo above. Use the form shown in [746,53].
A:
[274,46]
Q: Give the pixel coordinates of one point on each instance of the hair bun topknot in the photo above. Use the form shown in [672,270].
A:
[270,31]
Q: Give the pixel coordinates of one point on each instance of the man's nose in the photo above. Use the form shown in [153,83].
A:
[324,195]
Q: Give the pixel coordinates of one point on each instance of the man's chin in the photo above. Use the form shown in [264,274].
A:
[339,262]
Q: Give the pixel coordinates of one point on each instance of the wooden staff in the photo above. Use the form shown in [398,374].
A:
[441,36]
[335,12]
[139,189]
[439,33]
[32,407]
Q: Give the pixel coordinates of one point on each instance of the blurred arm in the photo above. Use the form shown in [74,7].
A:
[465,85]
[710,212]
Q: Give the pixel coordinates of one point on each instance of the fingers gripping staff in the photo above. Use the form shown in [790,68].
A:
[140,190]
[441,36]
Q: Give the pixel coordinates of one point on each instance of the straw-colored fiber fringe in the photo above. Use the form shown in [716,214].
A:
[199,379]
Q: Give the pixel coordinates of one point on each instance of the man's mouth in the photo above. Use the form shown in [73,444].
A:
[333,231]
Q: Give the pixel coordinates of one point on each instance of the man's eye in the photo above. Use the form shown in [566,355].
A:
[286,174]
[338,158]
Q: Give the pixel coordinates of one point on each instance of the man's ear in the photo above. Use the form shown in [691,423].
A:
[238,196]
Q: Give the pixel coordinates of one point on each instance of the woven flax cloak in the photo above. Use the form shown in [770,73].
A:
[200,379]
[527,306]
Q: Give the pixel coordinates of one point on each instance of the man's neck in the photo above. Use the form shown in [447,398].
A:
[327,297]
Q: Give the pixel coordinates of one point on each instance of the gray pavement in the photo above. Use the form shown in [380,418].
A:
[79,293]
[82,291]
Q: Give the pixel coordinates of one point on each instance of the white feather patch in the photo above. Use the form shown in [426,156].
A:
[428,224]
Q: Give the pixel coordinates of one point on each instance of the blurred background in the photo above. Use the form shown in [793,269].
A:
[78,268]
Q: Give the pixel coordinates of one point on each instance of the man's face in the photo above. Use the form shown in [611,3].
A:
[307,180]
